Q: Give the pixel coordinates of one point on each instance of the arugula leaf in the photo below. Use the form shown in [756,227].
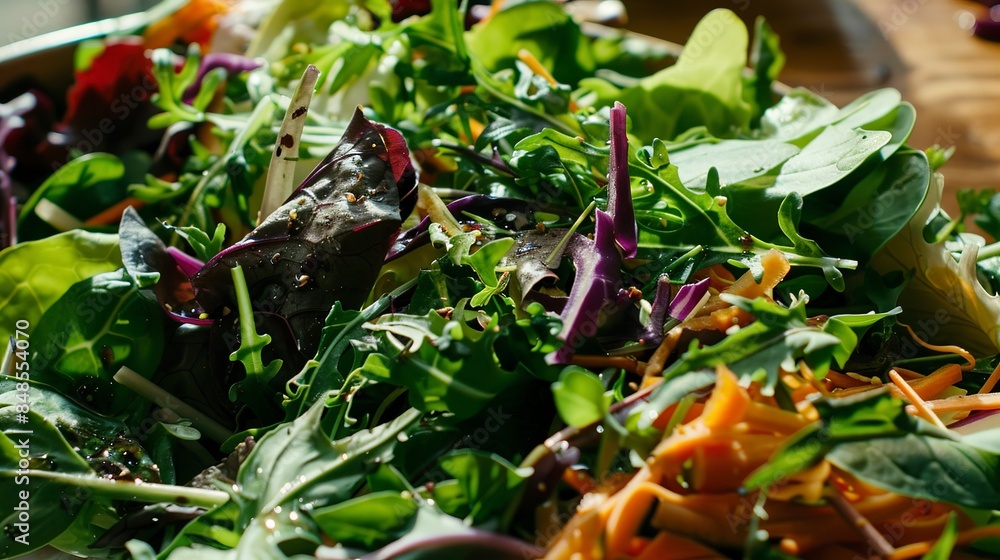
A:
[447,365]
[304,467]
[253,390]
[778,339]
[205,247]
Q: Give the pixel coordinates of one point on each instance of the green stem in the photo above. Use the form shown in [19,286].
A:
[155,394]
[245,309]
[557,251]
[147,492]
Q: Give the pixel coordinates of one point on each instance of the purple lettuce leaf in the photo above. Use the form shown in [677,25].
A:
[325,244]
[231,63]
[148,260]
[619,189]
[11,118]
[594,296]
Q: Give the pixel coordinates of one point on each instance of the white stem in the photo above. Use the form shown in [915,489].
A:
[155,394]
[281,171]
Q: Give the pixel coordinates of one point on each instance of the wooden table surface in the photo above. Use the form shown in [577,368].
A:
[842,48]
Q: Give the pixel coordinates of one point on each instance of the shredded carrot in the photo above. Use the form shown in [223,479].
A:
[942,378]
[769,418]
[775,267]
[669,546]
[719,277]
[112,214]
[654,366]
[961,403]
[618,362]
[915,399]
[948,348]
[729,402]
[963,538]
[842,381]
[495,8]
[720,320]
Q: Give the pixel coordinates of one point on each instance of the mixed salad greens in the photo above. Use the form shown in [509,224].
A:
[370,279]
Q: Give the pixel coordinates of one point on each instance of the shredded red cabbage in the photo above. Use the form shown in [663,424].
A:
[619,190]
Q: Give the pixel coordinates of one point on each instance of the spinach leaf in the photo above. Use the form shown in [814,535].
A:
[876,440]
[35,274]
[878,207]
[83,187]
[704,87]
[484,488]
[99,325]
[372,520]
[542,28]
[580,397]
[35,507]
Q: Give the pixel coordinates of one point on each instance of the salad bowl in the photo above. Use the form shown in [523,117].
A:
[341,280]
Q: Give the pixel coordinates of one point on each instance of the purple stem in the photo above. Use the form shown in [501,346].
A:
[185,262]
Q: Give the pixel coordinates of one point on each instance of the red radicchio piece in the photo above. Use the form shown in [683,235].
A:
[108,105]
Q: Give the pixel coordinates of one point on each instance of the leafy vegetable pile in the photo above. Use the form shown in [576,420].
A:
[344,280]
